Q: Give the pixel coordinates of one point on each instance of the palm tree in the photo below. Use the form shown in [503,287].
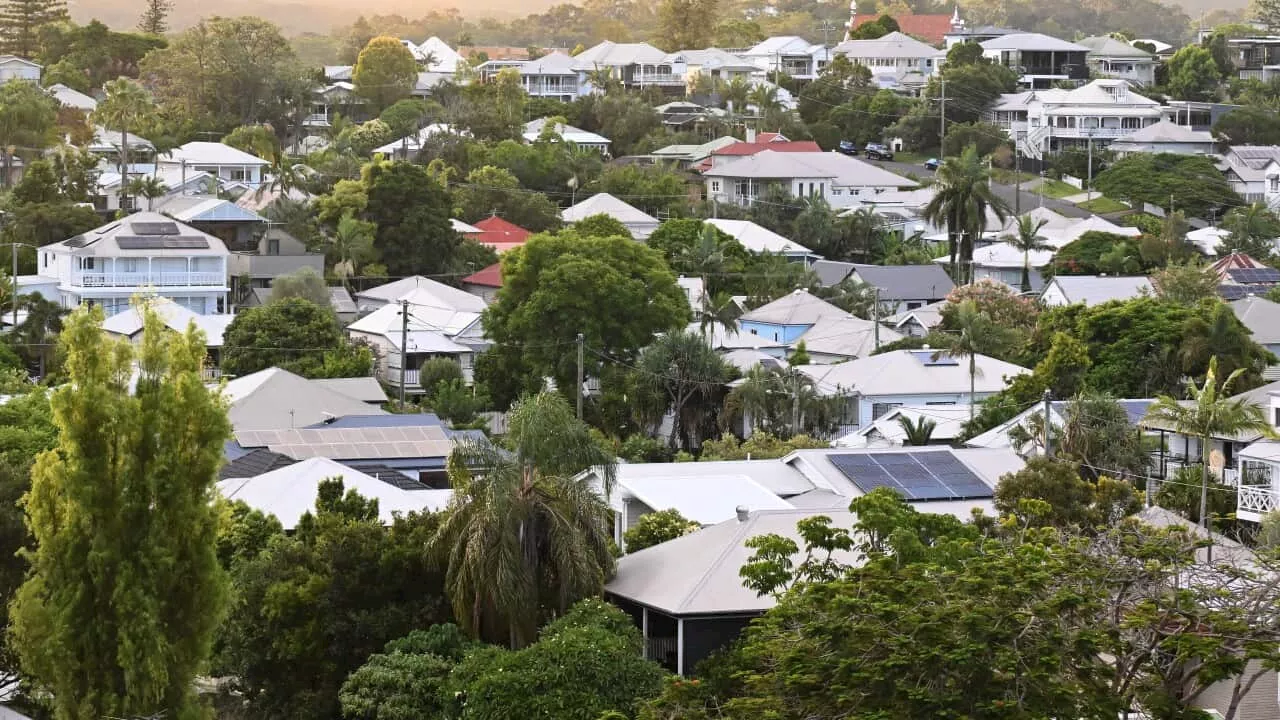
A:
[1027,239]
[706,258]
[717,310]
[1210,413]
[964,196]
[126,105]
[351,246]
[36,335]
[602,79]
[735,93]
[919,431]
[765,98]
[149,187]
[978,335]
[523,536]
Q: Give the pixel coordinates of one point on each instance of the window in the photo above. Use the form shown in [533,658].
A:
[715,186]
[837,191]
[237,174]
[1273,182]
[940,402]
[273,246]
[879,409]
[915,304]
[1276,421]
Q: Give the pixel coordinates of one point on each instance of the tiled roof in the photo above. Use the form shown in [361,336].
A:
[488,277]
[496,230]
[254,463]
[746,148]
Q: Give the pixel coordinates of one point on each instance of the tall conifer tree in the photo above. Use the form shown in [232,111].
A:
[21,20]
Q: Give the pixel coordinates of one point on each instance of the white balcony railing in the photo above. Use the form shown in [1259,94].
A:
[316,119]
[145,279]
[657,79]
[1254,501]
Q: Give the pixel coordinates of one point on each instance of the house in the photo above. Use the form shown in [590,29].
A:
[760,240]
[1040,60]
[436,293]
[639,223]
[1258,475]
[143,253]
[887,431]
[876,384]
[106,143]
[553,76]
[711,63]
[1240,275]
[128,325]
[1059,233]
[275,399]
[1165,136]
[932,28]
[534,128]
[435,328]
[1253,171]
[756,143]
[790,55]
[918,322]
[903,287]
[415,447]
[1255,58]
[1093,289]
[71,98]
[962,33]
[222,161]
[238,228]
[835,339]
[13,67]
[839,179]
[1112,58]
[787,318]
[484,283]
[1044,121]
[635,65]
[435,55]
[499,234]
[176,181]
[1262,317]
[408,147]
[332,100]
[1208,239]
[687,156]
[896,61]
[1007,434]
[290,491]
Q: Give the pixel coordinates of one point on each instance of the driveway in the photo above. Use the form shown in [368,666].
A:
[1005,192]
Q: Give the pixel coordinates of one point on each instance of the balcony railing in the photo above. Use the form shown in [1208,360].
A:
[1254,501]
[144,279]
[315,119]
[657,79]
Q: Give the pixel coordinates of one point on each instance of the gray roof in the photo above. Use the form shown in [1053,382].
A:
[911,372]
[928,316]
[893,45]
[254,463]
[1031,42]
[711,59]
[1097,289]
[847,337]
[998,437]
[988,464]
[554,63]
[613,54]
[364,389]
[341,302]
[141,235]
[907,282]
[1166,131]
[831,272]
[775,475]
[1107,46]
[1261,316]
[275,399]
[843,170]
[386,443]
[795,308]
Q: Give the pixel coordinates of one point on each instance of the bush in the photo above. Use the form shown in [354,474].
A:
[644,449]
[656,528]
[456,402]
[435,371]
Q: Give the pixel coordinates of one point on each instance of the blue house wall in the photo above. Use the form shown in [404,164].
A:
[780,333]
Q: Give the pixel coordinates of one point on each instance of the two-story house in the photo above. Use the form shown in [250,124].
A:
[13,67]
[1254,172]
[1040,60]
[711,62]
[1098,113]
[224,162]
[145,253]
[895,60]
[839,179]
[1255,58]
[790,55]
[635,65]
[1112,58]
[554,75]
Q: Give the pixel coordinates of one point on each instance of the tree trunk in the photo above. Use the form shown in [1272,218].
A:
[1204,481]
[973,372]
[1026,272]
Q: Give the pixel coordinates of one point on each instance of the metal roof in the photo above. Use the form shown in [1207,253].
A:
[361,443]
[756,238]
[274,399]
[1034,42]
[906,282]
[795,308]
[893,45]
[900,372]
[606,204]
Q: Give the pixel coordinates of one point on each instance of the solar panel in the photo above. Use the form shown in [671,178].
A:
[1254,275]
[162,243]
[938,475]
[934,358]
[155,228]
[1232,292]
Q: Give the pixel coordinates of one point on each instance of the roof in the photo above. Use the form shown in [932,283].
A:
[928,316]
[1004,255]
[275,399]
[382,421]
[998,436]
[415,142]
[210,153]
[425,292]
[933,28]
[751,148]
[711,59]
[1031,41]
[202,208]
[364,389]
[555,63]
[352,443]
[783,45]
[893,45]
[106,140]
[1166,131]
[614,54]
[842,169]
[1261,316]
[498,233]
[1225,550]
[445,58]
[430,329]
[831,272]
[176,317]
[747,358]
[776,476]
[142,234]
[756,238]
[72,98]
[907,372]
[1096,289]
[886,430]
[463,228]
[253,463]
[1207,239]
[707,499]
[721,339]
[1107,46]
[290,492]
[986,465]
[848,337]
[1060,236]
[906,282]
[606,204]
[487,277]
[798,307]
[569,133]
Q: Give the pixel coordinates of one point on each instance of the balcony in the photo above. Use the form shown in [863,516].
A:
[316,120]
[657,78]
[148,279]
[1254,501]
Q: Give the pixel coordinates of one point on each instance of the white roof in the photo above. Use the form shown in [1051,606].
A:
[783,45]
[1060,236]
[746,358]
[171,176]
[886,431]
[798,307]
[756,238]
[424,291]
[844,171]
[1207,239]
[606,204]
[104,241]
[1095,289]
[1159,45]
[210,153]
[72,98]
[445,59]
[462,228]
[415,142]
[1167,131]
[290,492]
[711,59]
[275,399]
[1261,316]
[774,475]
[106,140]
[706,499]
[1004,255]
[721,339]
[1030,41]
[430,329]
[174,316]
[928,316]
[908,372]
[1107,46]
[202,208]
[893,45]
[533,129]
[848,337]
[364,389]
[554,63]
[614,54]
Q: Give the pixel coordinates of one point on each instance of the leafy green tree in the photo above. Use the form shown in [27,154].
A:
[438,370]
[682,369]
[93,627]
[351,246]
[1210,413]
[987,138]
[978,334]
[964,197]
[686,24]
[786,403]
[602,226]
[21,23]
[293,334]
[657,527]
[1191,182]
[244,533]
[40,212]
[411,211]
[1089,253]
[27,116]
[1248,125]
[1098,435]
[523,537]
[654,189]
[1193,74]
[385,72]
[1253,229]
[1047,492]
[492,111]
[494,191]
[1187,284]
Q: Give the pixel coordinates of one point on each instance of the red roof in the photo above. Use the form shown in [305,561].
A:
[1234,261]
[499,232]
[488,277]
[929,28]
[746,148]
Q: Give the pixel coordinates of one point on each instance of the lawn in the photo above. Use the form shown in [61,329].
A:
[1103,205]
[1009,177]
[1056,189]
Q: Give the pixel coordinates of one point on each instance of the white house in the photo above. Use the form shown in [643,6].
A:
[1165,137]
[13,67]
[1093,289]
[635,65]
[1254,172]
[407,147]
[1112,58]
[839,179]
[711,62]
[759,240]
[1098,113]
[896,60]
[175,180]
[887,431]
[568,133]
[1040,60]
[434,330]
[1003,263]
[554,75]
[224,162]
[790,55]
[639,223]
[145,253]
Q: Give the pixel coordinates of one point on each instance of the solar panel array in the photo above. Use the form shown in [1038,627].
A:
[352,443]
[155,228]
[935,358]
[1233,292]
[162,243]
[1254,275]
[935,475]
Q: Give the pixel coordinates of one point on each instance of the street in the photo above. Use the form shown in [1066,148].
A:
[1005,192]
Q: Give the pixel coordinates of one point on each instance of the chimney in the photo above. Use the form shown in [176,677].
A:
[742,512]
[751,135]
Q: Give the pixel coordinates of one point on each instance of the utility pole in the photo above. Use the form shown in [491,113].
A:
[795,401]
[580,348]
[875,309]
[1048,426]
[942,114]
[1090,189]
[14,278]
[404,346]
[1017,177]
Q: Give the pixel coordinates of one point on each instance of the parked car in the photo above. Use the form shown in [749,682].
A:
[847,148]
[931,164]
[876,151]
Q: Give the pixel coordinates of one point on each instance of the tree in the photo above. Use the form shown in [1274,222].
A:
[1185,284]
[1210,413]
[987,138]
[411,211]
[1249,125]
[155,17]
[1058,496]
[405,117]
[257,140]
[655,528]
[1028,239]
[524,537]
[350,246]
[603,226]
[149,187]
[918,431]
[1096,252]
[963,199]
[1253,229]
[1193,74]
[655,189]
[27,116]
[683,369]
[408,679]
[1098,434]
[787,403]
[1267,13]
[385,72]
[1192,183]
[21,23]
[126,105]
[686,24]
[304,283]
[979,334]
[293,334]
[495,191]
[93,627]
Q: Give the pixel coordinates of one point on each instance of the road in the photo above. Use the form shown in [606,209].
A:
[1005,192]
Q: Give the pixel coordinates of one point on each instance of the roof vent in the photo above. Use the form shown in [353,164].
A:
[742,512]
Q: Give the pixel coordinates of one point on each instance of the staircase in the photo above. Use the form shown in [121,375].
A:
[1031,144]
